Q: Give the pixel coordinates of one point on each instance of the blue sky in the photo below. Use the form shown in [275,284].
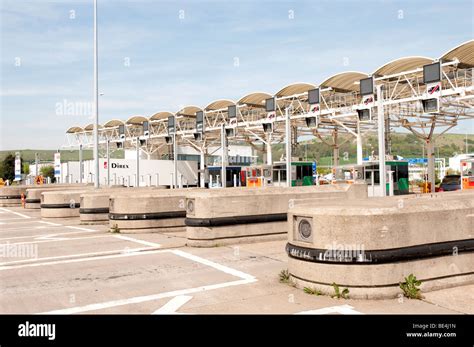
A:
[162,55]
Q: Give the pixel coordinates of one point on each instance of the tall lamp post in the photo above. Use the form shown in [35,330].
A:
[96,102]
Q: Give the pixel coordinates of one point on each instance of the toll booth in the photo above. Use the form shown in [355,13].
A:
[467,173]
[369,173]
[258,176]
[231,173]
[301,173]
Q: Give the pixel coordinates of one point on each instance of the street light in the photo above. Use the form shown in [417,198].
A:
[96,101]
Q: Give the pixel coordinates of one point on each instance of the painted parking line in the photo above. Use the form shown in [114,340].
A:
[210,263]
[79,228]
[142,242]
[342,309]
[10,219]
[244,279]
[20,221]
[39,236]
[146,298]
[49,223]
[173,305]
[52,239]
[71,258]
[15,213]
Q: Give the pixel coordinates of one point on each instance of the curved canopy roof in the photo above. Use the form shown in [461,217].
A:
[464,53]
[219,104]
[402,64]
[345,81]
[90,127]
[74,129]
[256,99]
[137,120]
[295,88]
[113,123]
[161,115]
[188,111]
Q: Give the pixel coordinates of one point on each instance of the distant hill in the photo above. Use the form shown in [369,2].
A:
[403,144]
[28,155]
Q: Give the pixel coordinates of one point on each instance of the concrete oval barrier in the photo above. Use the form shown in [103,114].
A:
[95,204]
[235,215]
[370,246]
[61,204]
[154,211]
[33,196]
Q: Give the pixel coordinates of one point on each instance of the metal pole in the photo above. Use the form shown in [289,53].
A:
[381,139]
[96,102]
[224,158]
[202,167]
[175,158]
[36,164]
[359,145]
[137,181]
[269,149]
[108,163]
[288,147]
[431,163]
[81,168]
[335,149]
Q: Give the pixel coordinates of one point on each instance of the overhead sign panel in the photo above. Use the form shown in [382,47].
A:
[200,122]
[432,73]
[232,115]
[313,96]
[367,86]
[270,107]
[171,125]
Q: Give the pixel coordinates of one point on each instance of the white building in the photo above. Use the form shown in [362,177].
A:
[455,162]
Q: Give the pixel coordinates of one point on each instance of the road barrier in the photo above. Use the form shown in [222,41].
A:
[234,215]
[370,246]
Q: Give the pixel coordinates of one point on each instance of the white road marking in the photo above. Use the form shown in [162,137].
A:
[52,239]
[41,235]
[9,219]
[146,243]
[79,228]
[342,309]
[71,258]
[140,299]
[210,263]
[173,305]
[245,279]
[49,223]
[16,213]
[21,221]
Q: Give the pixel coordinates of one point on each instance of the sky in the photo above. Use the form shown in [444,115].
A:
[162,55]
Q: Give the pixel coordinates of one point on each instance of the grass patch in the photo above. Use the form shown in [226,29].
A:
[338,294]
[410,287]
[312,291]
